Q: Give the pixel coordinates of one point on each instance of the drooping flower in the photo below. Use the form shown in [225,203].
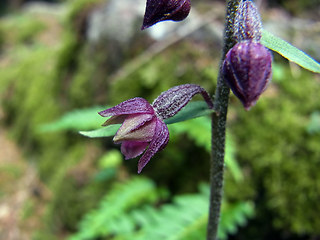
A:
[162,10]
[143,128]
[247,70]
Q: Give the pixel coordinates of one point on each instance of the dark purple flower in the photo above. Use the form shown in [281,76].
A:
[140,128]
[247,23]
[143,129]
[162,10]
[247,70]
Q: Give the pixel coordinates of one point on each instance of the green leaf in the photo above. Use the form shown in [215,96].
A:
[84,119]
[314,123]
[107,131]
[87,119]
[290,52]
[192,110]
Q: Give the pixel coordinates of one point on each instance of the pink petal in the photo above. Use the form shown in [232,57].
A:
[115,120]
[136,127]
[131,106]
[132,149]
[159,141]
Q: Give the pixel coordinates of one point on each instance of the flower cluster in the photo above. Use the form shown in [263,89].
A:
[143,128]
[247,66]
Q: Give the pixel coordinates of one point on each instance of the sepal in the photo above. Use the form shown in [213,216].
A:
[170,102]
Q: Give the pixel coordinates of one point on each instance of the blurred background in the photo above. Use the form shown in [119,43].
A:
[62,61]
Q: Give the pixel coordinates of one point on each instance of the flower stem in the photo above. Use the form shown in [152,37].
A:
[219,118]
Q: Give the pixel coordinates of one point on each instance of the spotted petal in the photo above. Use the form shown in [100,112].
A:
[131,106]
[158,142]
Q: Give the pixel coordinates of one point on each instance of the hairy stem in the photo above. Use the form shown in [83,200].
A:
[219,118]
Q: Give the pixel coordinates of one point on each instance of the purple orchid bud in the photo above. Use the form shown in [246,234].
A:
[143,129]
[247,70]
[163,10]
[247,23]
[170,102]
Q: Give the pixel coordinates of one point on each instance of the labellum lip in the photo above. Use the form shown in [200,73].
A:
[136,127]
[162,10]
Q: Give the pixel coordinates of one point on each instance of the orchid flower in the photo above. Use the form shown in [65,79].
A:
[143,128]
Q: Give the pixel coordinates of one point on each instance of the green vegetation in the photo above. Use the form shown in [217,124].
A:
[132,216]
[282,155]
[272,151]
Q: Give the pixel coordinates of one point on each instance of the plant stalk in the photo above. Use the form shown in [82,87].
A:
[218,123]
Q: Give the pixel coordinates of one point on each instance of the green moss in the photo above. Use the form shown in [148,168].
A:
[68,52]
[38,83]
[31,78]
[164,71]
[273,146]
[78,7]
[273,143]
[297,6]
[21,28]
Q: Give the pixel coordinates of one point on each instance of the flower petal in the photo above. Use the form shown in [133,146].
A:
[131,106]
[159,141]
[132,149]
[115,120]
[139,127]
[170,102]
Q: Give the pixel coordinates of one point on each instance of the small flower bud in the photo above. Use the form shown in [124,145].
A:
[247,70]
[247,23]
[162,10]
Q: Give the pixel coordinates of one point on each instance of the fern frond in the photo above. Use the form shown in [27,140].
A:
[234,215]
[184,219]
[123,197]
[199,130]
[126,214]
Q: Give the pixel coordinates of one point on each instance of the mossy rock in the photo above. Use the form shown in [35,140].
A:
[20,28]
[282,157]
